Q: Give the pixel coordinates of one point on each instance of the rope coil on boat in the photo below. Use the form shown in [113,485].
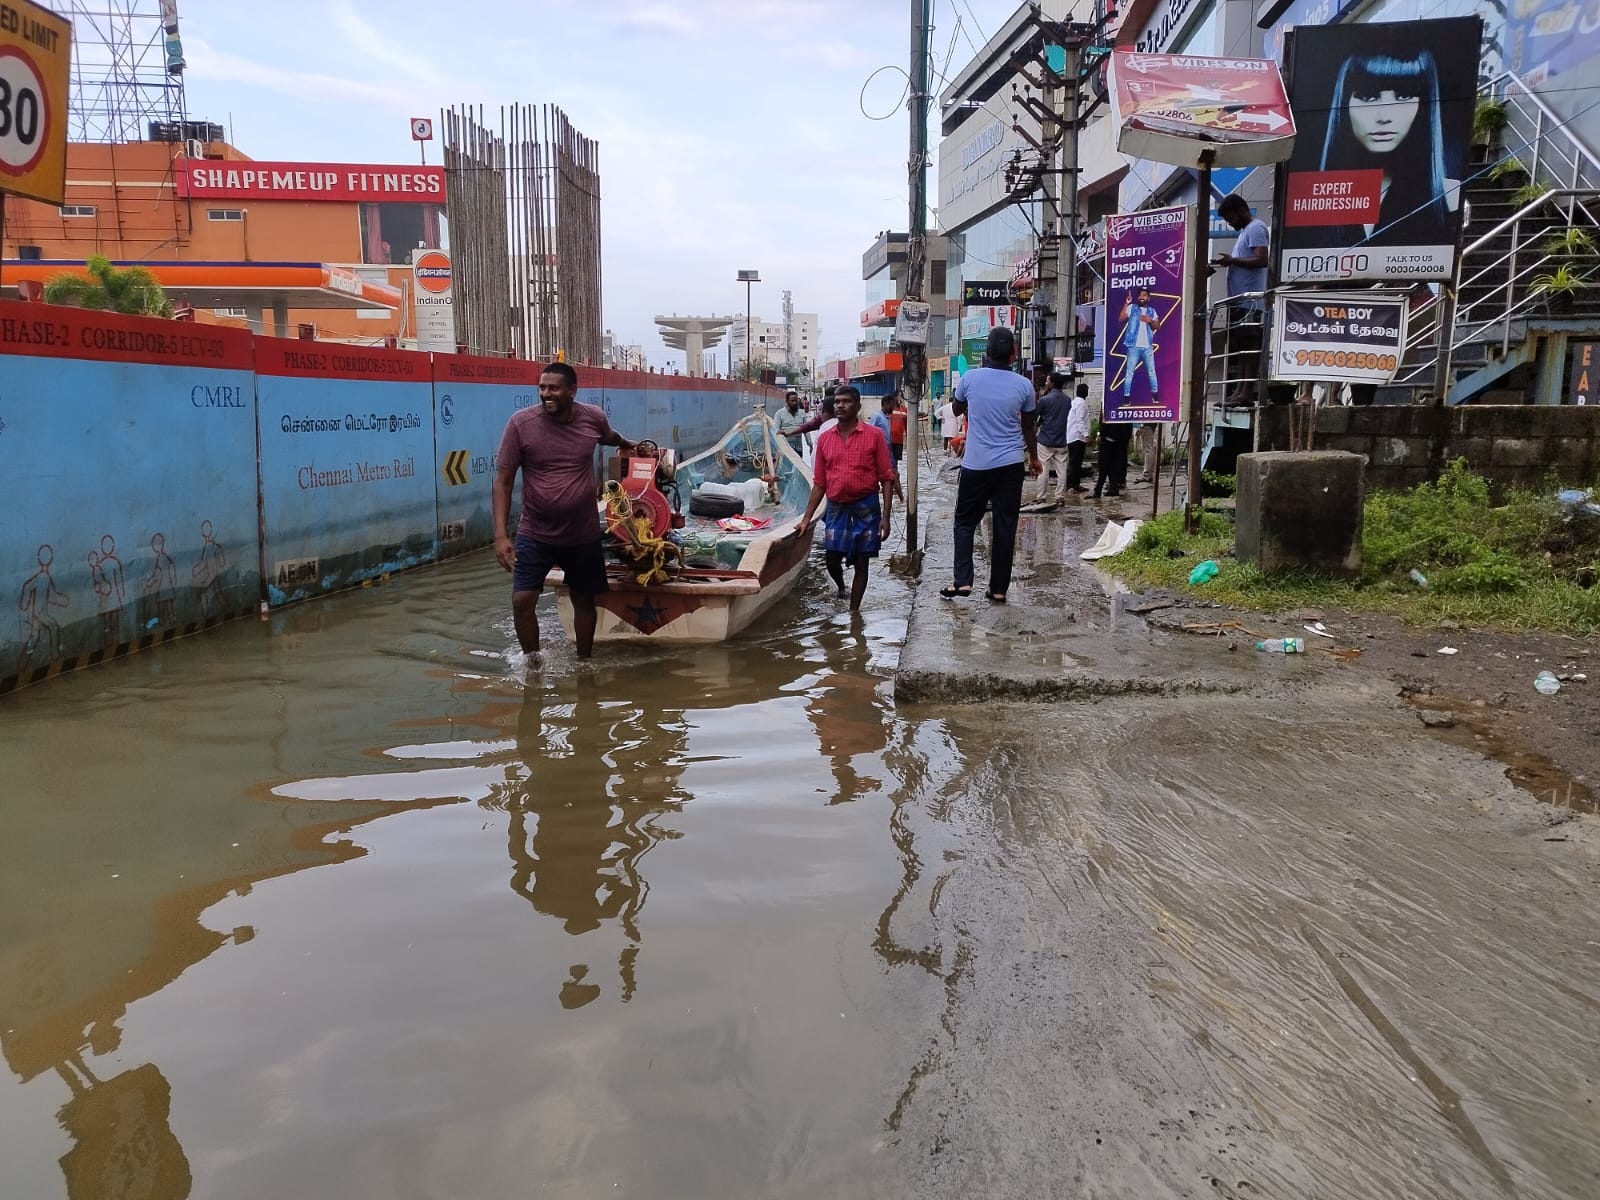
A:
[636,543]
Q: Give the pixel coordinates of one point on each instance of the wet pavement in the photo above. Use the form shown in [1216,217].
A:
[347,904]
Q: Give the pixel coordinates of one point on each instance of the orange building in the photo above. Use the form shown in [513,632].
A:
[266,245]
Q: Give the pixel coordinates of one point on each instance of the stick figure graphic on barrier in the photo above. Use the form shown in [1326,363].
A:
[38,596]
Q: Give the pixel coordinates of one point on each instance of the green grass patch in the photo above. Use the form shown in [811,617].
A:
[1520,564]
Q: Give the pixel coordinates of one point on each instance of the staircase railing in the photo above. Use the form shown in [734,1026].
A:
[1550,156]
[1541,140]
[1508,279]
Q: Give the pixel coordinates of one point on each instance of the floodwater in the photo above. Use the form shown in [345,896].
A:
[346,904]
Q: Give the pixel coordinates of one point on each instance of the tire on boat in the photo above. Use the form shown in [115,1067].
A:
[715,506]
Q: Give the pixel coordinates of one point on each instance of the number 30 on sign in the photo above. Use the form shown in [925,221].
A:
[35,54]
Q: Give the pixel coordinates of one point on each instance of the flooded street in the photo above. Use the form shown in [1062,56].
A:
[342,904]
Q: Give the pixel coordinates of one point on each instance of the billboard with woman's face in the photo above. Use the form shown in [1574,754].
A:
[1373,188]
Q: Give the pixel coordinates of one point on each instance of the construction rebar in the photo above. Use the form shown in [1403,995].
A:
[524,211]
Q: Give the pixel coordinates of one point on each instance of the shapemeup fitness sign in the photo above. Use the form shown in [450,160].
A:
[242,179]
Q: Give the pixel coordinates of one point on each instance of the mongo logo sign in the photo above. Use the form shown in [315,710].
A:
[433,272]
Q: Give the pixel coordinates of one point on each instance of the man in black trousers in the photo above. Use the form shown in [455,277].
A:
[1113,477]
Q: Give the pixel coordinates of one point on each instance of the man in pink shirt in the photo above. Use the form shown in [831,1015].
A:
[553,444]
[852,468]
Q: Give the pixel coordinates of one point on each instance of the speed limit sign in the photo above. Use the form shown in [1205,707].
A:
[35,53]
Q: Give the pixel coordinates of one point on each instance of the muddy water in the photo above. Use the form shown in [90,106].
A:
[343,905]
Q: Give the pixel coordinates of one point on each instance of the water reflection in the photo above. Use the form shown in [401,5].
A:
[847,709]
[599,775]
[123,1144]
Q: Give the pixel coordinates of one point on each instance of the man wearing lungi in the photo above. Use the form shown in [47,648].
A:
[851,468]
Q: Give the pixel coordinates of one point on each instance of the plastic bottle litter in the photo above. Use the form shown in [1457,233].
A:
[1203,572]
[1283,645]
[1418,578]
[1547,683]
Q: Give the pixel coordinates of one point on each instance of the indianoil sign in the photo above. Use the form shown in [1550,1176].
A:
[35,57]
[434,301]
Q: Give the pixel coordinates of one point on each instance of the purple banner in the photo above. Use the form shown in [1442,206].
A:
[1147,267]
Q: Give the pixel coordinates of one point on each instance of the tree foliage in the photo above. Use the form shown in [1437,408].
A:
[130,290]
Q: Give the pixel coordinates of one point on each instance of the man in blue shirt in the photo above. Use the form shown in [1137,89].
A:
[1054,408]
[1000,449]
[1247,281]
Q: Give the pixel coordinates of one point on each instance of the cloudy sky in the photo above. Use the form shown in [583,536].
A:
[731,131]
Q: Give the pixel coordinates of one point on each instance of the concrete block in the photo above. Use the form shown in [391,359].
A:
[1512,420]
[1274,420]
[1333,419]
[1399,452]
[1521,452]
[1478,451]
[1382,421]
[1301,510]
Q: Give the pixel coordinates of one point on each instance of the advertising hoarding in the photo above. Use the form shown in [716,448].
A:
[1354,338]
[1372,190]
[1169,106]
[1147,275]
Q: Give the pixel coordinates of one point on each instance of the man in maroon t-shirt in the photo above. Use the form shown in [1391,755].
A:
[553,445]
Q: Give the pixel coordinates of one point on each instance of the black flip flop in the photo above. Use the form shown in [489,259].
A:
[951,593]
[996,597]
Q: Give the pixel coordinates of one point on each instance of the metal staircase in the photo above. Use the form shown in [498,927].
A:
[1531,210]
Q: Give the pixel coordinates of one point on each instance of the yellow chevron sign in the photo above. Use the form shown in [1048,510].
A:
[455,468]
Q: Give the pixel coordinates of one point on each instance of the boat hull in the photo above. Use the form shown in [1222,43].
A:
[711,610]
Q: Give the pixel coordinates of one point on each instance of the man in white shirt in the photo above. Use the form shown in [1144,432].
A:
[950,424]
[1077,438]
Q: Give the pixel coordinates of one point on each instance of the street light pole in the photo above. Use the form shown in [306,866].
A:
[747,278]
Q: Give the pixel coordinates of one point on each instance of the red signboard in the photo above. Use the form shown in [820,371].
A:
[216,179]
[1333,197]
[1170,106]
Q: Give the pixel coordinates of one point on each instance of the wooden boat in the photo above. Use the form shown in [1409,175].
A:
[732,569]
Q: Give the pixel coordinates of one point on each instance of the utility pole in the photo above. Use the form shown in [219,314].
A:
[914,358]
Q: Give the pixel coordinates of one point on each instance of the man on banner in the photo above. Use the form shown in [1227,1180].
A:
[1141,321]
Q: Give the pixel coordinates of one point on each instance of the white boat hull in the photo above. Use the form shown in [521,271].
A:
[702,606]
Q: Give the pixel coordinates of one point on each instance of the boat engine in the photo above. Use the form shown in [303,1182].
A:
[646,476]
[639,521]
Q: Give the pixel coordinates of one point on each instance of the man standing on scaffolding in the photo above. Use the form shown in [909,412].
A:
[1247,281]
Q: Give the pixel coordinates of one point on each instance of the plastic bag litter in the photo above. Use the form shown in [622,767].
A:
[1578,502]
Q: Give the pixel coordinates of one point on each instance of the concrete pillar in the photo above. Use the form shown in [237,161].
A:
[1301,510]
[280,317]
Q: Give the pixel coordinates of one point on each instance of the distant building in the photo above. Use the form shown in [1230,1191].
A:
[772,344]
[629,357]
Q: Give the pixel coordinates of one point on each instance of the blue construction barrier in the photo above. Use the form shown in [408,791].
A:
[166,476]
[346,464]
[688,413]
[127,446]
[473,398]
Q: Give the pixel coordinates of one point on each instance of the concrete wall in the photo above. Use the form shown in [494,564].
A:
[156,467]
[1511,445]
